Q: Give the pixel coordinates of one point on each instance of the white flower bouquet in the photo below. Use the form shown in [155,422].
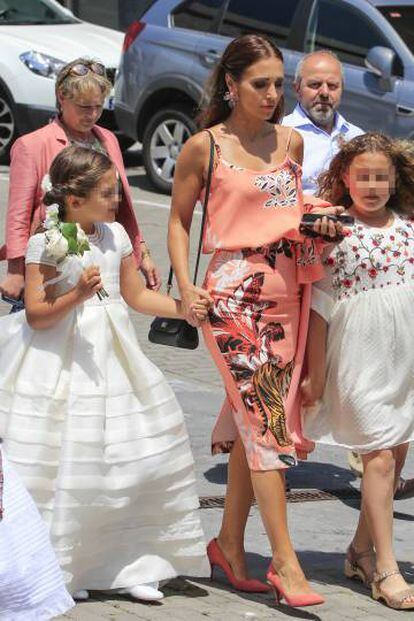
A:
[64,241]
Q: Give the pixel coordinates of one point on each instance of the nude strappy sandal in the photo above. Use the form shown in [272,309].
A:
[398,601]
[353,569]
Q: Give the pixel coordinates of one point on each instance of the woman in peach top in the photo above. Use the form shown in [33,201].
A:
[258,281]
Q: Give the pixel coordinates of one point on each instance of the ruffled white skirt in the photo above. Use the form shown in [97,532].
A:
[100,440]
[368,403]
[31,583]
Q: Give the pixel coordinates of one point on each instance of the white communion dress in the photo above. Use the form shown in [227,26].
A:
[367,299]
[98,437]
[31,583]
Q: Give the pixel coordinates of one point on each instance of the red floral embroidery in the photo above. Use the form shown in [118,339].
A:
[361,263]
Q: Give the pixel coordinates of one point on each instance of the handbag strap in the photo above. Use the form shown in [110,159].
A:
[203,219]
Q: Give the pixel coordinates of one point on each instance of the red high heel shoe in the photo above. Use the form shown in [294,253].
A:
[296,601]
[217,559]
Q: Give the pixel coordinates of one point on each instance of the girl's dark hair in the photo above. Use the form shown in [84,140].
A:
[237,57]
[75,170]
[401,153]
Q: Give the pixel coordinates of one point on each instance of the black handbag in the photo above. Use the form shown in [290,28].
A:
[178,332]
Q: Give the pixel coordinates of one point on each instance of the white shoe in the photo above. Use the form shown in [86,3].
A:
[81,595]
[147,592]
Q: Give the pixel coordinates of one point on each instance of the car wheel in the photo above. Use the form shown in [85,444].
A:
[164,137]
[7,126]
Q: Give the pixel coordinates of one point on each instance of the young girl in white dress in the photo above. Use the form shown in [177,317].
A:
[359,391]
[91,425]
[31,583]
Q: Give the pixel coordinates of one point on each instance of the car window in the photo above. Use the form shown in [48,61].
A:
[401,19]
[344,30]
[273,18]
[24,12]
[197,15]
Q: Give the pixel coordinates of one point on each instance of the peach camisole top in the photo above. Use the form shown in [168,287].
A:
[250,208]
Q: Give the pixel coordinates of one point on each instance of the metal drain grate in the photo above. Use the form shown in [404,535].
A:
[299,495]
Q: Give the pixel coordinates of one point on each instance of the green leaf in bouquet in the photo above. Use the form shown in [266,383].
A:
[83,246]
[69,230]
[73,245]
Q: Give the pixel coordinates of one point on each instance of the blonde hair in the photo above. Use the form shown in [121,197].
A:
[331,184]
[72,86]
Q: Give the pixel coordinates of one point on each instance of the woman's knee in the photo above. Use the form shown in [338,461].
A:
[383,463]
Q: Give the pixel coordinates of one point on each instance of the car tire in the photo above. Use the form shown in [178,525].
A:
[7,126]
[163,139]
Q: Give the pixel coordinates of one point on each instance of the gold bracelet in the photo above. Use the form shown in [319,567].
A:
[145,253]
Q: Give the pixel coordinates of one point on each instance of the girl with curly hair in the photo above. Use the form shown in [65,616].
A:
[358,392]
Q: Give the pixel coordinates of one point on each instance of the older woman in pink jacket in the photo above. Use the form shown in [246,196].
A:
[81,88]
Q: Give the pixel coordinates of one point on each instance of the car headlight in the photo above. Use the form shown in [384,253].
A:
[42,64]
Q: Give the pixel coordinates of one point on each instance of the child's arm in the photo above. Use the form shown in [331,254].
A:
[313,384]
[42,309]
[149,302]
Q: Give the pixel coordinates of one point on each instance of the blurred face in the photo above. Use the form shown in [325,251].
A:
[100,206]
[81,114]
[370,180]
[260,88]
[320,90]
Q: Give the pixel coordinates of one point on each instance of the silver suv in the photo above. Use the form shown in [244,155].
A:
[171,48]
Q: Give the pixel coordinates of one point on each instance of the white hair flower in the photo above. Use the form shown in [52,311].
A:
[52,217]
[46,184]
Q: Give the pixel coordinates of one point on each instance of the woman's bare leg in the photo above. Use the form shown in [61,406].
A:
[239,497]
[269,489]
[378,492]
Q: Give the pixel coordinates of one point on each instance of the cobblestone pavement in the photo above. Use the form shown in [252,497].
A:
[321,529]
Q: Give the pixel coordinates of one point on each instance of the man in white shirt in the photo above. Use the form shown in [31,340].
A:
[319,85]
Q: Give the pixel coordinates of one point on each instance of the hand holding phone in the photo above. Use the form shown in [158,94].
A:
[308,220]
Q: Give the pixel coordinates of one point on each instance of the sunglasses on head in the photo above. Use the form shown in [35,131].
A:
[80,69]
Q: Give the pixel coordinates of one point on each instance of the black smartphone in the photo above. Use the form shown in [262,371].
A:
[343,218]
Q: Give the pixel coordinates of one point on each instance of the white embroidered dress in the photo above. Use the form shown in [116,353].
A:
[99,438]
[367,298]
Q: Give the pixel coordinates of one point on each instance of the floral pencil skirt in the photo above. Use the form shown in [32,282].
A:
[252,335]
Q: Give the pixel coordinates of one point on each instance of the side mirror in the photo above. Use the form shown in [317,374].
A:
[380,61]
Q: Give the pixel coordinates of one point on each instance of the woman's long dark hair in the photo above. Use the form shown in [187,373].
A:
[237,57]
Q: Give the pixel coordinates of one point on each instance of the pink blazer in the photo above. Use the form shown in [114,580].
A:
[31,157]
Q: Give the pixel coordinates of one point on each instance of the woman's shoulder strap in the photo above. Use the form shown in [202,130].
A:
[214,145]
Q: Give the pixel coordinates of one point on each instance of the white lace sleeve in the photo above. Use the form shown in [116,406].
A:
[36,251]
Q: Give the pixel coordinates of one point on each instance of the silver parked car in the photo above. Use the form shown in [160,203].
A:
[171,48]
